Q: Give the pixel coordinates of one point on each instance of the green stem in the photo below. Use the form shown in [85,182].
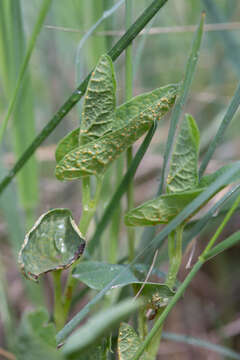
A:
[201,260]
[175,255]
[157,326]
[114,53]
[42,14]
[142,324]
[89,209]
[59,317]
[121,189]
[129,155]
[221,227]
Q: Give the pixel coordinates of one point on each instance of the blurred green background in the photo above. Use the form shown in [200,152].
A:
[59,62]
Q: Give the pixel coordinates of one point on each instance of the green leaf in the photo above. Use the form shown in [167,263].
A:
[98,326]
[96,156]
[53,243]
[67,144]
[183,173]
[97,275]
[155,294]
[124,113]
[36,339]
[99,102]
[160,210]
[132,108]
[128,342]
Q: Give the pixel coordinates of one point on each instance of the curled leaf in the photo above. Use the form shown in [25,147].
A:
[160,210]
[183,173]
[96,156]
[54,243]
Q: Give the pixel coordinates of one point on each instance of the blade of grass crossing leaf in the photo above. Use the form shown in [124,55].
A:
[201,260]
[222,350]
[233,106]
[114,53]
[199,226]
[191,208]
[224,245]
[187,81]
[128,96]
[41,17]
[122,188]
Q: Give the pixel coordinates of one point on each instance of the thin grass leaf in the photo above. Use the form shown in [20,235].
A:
[203,344]
[155,243]
[226,38]
[184,90]
[32,42]
[224,245]
[99,325]
[201,223]
[231,110]
[21,131]
[106,14]
[120,191]
[114,53]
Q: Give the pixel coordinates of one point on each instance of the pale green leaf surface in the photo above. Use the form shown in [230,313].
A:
[183,172]
[124,113]
[97,275]
[128,342]
[156,294]
[67,144]
[99,325]
[132,108]
[96,156]
[37,338]
[160,210]
[53,243]
[99,102]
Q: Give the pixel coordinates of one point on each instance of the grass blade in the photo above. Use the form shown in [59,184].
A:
[41,17]
[224,245]
[231,110]
[226,37]
[114,53]
[222,350]
[122,188]
[155,243]
[200,224]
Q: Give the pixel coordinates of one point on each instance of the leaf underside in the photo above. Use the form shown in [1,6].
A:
[96,156]
[128,343]
[54,243]
[160,210]
[183,173]
[99,102]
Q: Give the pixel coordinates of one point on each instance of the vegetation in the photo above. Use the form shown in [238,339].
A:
[104,269]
